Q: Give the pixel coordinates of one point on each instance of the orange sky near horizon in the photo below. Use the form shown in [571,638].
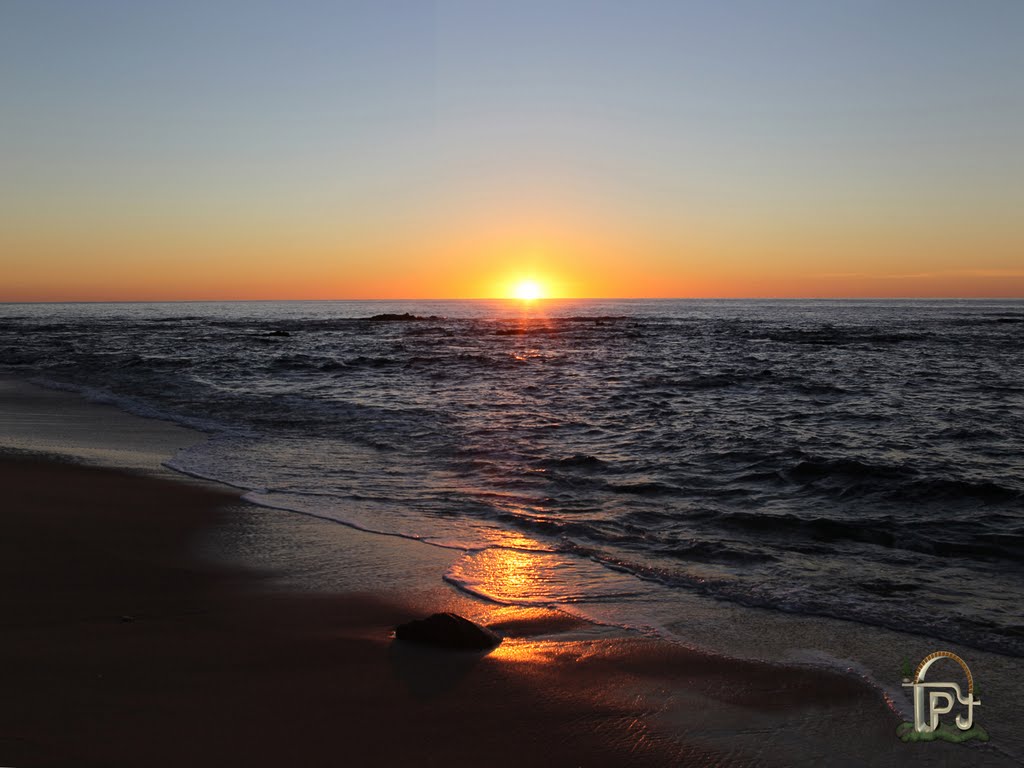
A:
[578,261]
[173,279]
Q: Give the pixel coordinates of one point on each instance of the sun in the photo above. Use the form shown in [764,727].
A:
[528,290]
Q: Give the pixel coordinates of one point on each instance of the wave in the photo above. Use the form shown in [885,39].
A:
[529,331]
[703,381]
[140,407]
[842,476]
[715,552]
[830,335]
[880,610]
[650,488]
[813,468]
[596,319]
[935,489]
[962,540]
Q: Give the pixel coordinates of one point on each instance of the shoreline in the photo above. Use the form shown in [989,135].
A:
[117,638]
[589,694]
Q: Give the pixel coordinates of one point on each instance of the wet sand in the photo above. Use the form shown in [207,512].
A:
[46,421]
[124,644]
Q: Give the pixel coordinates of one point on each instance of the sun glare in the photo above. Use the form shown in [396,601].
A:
[528,290]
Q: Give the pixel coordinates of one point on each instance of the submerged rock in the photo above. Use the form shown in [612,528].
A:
[392,317]
[447,630]
[404,317]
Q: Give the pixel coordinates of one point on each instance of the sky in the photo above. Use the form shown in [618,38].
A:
[450,149]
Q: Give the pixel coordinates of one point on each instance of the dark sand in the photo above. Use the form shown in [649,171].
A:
[119,646]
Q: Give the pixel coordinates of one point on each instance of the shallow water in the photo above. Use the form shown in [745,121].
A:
[860,460]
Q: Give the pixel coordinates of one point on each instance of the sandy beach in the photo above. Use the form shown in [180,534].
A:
[153,620]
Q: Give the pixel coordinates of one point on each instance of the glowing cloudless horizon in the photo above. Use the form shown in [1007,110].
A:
[448,149]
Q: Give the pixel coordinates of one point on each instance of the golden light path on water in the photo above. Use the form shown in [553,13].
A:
[524,651]
[534,576]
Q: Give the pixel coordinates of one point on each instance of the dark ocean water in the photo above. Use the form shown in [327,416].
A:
[860,460]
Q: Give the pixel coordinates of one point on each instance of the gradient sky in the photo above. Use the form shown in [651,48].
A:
[389,149]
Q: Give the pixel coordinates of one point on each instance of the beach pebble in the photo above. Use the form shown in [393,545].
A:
[447,630]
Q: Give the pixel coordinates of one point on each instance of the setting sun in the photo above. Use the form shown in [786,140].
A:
[528,290]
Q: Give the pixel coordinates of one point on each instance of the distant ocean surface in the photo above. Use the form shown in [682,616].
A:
[862,460]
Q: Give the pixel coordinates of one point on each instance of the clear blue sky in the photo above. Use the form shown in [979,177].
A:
[728,133]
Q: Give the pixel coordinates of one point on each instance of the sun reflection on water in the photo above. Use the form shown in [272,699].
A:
[511,572]
[526,651]
[537,577]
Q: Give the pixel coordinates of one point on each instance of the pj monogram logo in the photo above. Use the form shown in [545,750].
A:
[934,698]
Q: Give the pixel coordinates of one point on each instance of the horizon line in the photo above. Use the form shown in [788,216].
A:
[521,301]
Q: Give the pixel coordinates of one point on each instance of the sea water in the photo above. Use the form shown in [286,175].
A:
[860,460]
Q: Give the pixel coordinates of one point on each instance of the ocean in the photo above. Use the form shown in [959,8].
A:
[859,460]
